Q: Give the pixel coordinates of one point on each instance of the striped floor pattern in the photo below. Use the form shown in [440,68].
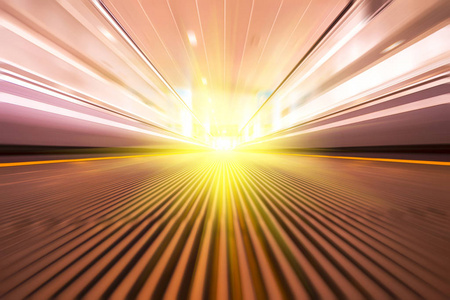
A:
[225,226]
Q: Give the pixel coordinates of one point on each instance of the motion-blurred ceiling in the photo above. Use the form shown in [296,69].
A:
[224,58]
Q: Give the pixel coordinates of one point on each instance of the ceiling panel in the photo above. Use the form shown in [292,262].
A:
[225,57]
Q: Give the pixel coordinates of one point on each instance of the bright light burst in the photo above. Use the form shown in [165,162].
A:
[224,144]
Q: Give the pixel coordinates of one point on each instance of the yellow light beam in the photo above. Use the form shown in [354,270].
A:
[44,162]
[406,161]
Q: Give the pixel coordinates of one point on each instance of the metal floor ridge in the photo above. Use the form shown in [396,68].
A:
[198,226]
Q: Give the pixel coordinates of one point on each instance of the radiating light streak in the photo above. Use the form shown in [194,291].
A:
[326,57]
[439,100]
[270,32]
[264,47]
[49,47]
[133,36]
[203,39]
[243,51]
[295,28]
[31,104]
[283,83]
[224,42]
[393,46]
[54,92]
[180,35]
[161,40]
[66,57]
[107,34]
[107,14]
[387,73]
[87,24]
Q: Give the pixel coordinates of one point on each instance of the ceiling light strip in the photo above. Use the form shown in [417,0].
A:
[115,23]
